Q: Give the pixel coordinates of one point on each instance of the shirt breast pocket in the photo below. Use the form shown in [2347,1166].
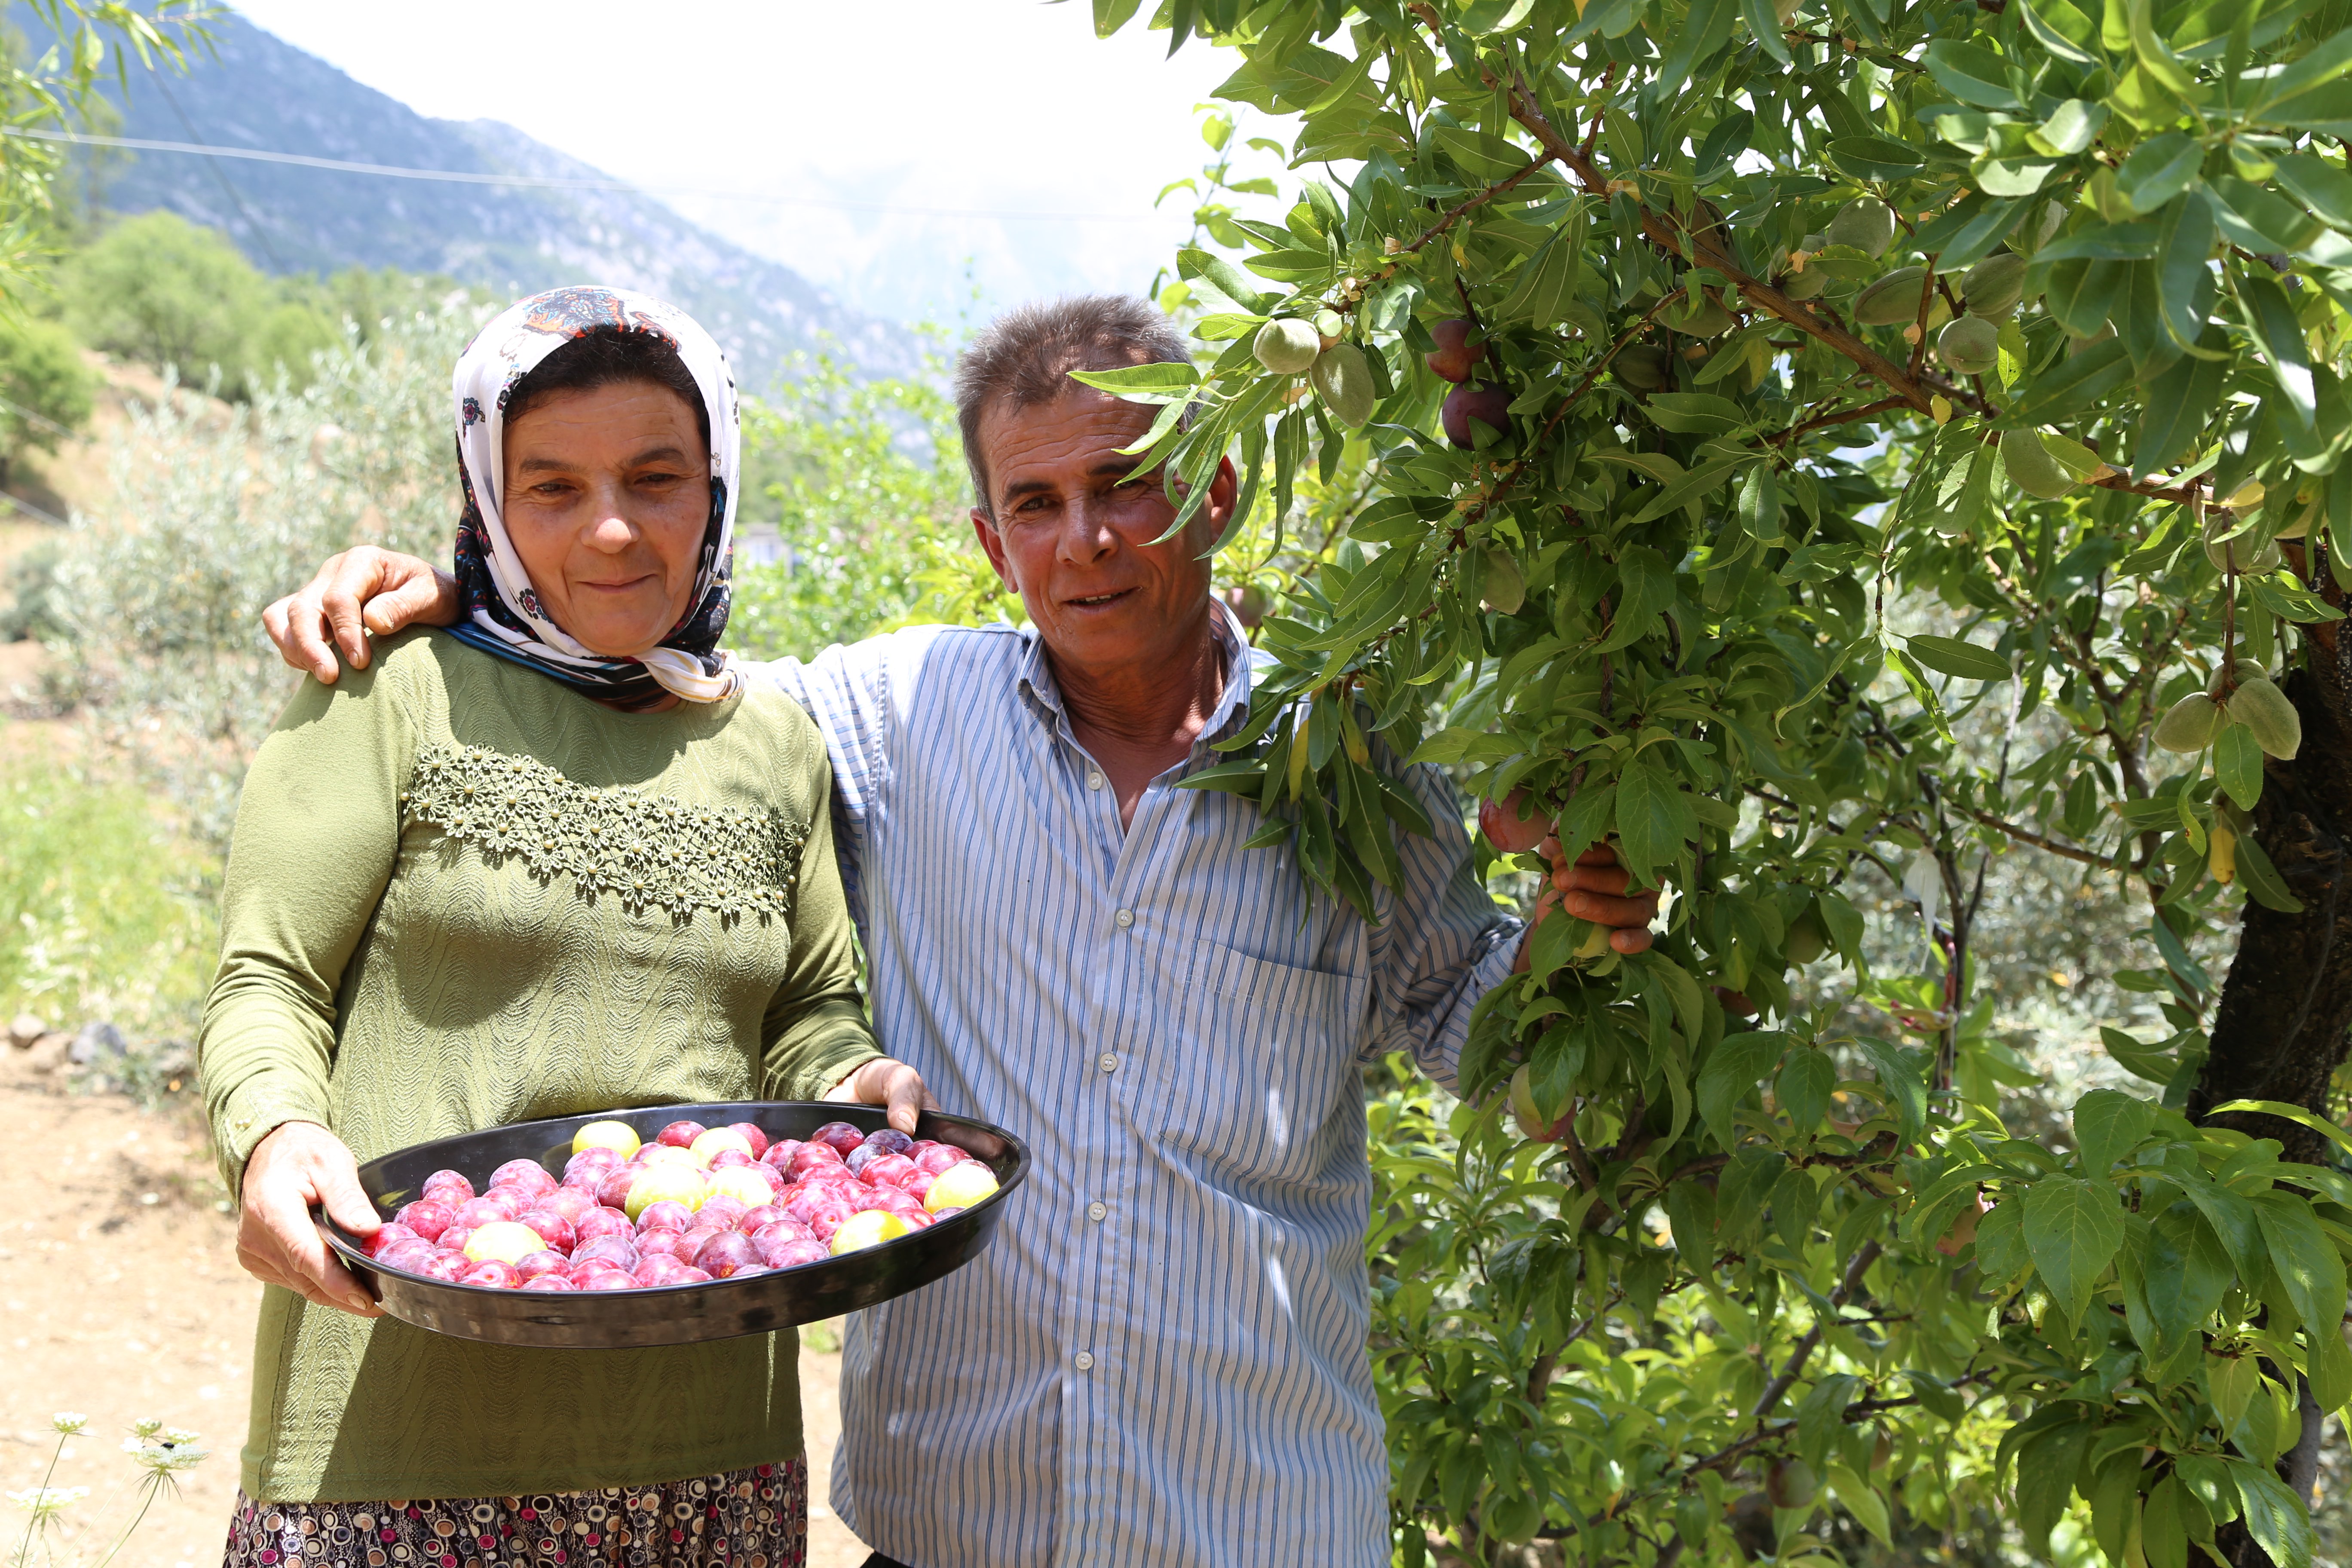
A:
[1251,1078]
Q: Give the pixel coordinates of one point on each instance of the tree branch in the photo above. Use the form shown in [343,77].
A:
[2026,836]
[1794,1367]
[1488,194]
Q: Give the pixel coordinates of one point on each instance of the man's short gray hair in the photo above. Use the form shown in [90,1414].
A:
[1025,358]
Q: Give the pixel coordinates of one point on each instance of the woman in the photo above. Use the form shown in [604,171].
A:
[557,859]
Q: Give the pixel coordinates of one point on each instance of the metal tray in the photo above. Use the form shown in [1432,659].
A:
[674,1314]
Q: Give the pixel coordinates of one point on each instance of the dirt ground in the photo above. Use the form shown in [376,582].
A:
[120,1297]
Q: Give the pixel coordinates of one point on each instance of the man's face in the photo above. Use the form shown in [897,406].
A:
[1074,528]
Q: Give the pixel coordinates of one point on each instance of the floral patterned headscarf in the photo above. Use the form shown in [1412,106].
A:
[501,614]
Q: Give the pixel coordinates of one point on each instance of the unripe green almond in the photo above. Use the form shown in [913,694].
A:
[2189,725]
[1790,1483]
[1993,287]
[1892,300]
[1506,590]
[1970,346]
[1806,939]
[1642,366]
[1866,225]
[1343,379]
[1287,346]
[2241,554]
[1710,319]
[2030,467]
[1805,285]
[2268,717]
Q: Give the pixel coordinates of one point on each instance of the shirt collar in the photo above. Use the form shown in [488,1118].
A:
[1033,677]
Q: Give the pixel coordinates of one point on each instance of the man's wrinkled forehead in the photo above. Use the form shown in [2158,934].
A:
[1075,439]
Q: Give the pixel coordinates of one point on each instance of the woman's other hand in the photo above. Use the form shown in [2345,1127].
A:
[887,1082]
[300,1165]
[359,591]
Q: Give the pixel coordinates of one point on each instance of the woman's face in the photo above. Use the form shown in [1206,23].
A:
[607,495]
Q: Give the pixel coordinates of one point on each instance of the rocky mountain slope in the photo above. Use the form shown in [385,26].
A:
[257,91]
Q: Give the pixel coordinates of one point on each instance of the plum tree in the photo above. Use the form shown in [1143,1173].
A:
[1794,595]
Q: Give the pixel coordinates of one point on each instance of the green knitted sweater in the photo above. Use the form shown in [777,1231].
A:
[461,895]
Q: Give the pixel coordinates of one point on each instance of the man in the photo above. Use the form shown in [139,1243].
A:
[1162,1359]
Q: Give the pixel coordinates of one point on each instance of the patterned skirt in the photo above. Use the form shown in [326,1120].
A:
[744,1518]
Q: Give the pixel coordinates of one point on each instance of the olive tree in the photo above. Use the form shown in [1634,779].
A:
[1813,439]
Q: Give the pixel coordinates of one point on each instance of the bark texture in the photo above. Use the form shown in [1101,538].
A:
[2286,1009]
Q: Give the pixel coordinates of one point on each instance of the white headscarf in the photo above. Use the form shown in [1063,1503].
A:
[502,614]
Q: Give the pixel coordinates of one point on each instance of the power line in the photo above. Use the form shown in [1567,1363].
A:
[237,198]
[539,182]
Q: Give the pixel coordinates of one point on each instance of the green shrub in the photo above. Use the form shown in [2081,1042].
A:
[158,288]
[105,911]
[46,388]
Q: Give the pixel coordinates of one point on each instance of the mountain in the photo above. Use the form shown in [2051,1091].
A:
[257,91]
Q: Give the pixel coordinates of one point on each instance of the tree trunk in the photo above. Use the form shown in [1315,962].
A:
[2286,1007]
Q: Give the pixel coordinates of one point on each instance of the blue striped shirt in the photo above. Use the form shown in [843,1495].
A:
[1162,1357]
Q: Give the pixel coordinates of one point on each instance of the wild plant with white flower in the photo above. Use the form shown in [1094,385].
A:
[159,1454]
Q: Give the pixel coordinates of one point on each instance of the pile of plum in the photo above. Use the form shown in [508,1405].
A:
[697,1204]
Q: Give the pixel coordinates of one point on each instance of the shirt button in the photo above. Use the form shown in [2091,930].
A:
[1108,1061]
[1094,781]
[1083,1361]
[1125,918]
[1096,1211]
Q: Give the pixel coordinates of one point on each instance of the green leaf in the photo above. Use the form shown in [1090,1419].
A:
[2185,1273]
[1143,382]
[2184,278]
[1706,30]
[1654,821]
[2318,185]
[1691,486]
[1804,1087]
[2073,1228]
[2306,1261]
[2164,1532]
[1737,1065]
[2074,383]
[2109,1124]
[1902,1078]
[2322,65]
[2275,1517]
[2155,1063]
[1548,279]
[2295,1113]
[1876,158]
[2104,242]
[1110,16]
[2264,884]
[1696,412]
[2327,109]
[2238,765]
[2046,1465]
[2083,293]
[1869,1509]
[1971,74]
[2271,321]
[2158,170]
[2072,127]
[2065,32]
[1950,656]
[2179,402]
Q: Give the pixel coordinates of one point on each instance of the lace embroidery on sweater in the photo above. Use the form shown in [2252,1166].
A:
[649,851]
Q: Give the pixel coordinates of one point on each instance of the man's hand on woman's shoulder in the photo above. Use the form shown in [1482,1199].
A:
[362,590]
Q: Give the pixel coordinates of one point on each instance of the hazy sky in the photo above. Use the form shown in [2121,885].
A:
[954,106]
